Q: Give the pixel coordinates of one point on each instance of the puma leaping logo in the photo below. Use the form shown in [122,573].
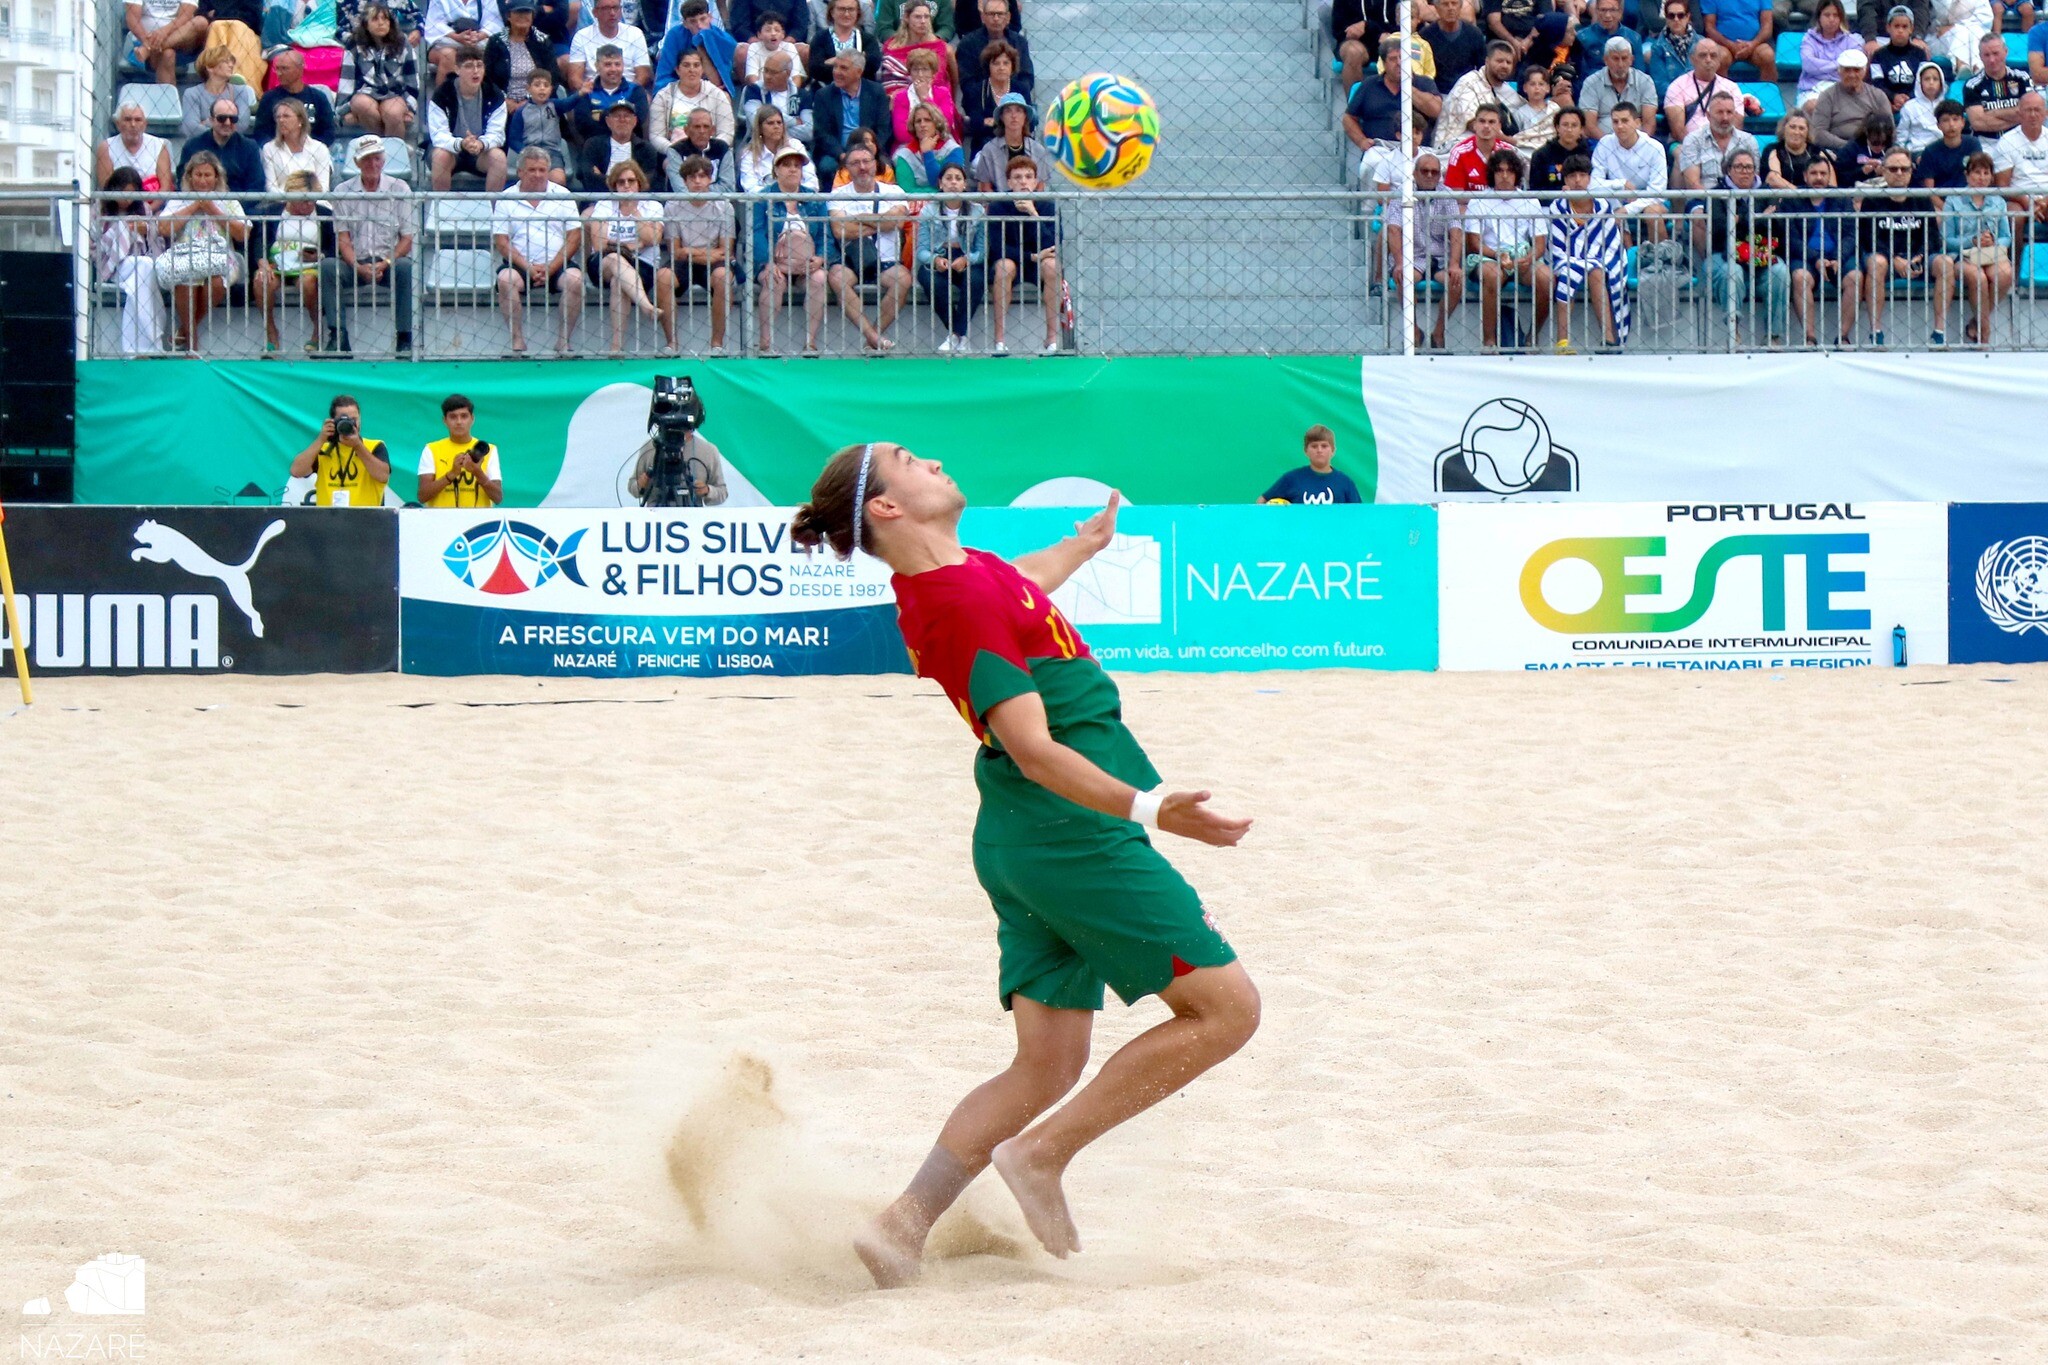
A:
[159,544]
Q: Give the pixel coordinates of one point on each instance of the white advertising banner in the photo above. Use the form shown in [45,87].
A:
[631,593]
[1752,428]
[1699,586]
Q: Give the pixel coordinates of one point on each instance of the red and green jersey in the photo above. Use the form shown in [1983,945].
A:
[985,633]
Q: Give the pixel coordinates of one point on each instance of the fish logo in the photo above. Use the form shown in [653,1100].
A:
[506,557]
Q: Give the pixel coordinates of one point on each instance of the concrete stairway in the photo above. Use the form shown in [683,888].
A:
[1240,109]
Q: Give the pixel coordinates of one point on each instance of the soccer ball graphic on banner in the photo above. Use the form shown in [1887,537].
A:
[1101,131]
[1505,449]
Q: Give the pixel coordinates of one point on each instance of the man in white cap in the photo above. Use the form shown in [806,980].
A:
[1839,113]
[372,246]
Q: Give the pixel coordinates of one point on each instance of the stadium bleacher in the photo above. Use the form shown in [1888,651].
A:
[1292,268]
[1769,102]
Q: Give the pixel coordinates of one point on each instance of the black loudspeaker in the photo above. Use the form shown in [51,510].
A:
[37,416]
[38,379]
[31,478]
[36,350]
[35,284]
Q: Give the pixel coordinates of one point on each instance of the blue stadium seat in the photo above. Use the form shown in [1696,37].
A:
[460,275]
[1898,288]
[2016,49]
[2034,265]
[1511,291]
[460,222]
[1789,65]
[397,158]
[1690,283]
[1773,102]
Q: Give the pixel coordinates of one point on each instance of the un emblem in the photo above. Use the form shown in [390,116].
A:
[2012,584]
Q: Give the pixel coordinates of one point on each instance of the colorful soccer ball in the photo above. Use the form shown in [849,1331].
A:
[1101,131]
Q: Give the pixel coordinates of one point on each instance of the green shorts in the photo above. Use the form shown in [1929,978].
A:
[1105,908]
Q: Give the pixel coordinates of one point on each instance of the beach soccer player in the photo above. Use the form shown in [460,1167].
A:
[1082,899]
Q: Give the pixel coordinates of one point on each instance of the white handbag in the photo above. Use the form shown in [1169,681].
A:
[195,260]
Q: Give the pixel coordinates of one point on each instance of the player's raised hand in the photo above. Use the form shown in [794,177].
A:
[1095,533]
[1186,814]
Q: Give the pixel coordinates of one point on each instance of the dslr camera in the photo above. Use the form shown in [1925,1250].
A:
[346,427]
[673,415]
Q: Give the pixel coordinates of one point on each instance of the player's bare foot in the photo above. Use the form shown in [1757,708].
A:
[1038,1192]
[891,1251]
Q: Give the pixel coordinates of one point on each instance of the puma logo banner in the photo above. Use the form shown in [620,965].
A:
[200,589]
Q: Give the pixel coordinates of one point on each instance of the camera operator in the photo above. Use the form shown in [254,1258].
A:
[706,465]
[348,469]
[676,466]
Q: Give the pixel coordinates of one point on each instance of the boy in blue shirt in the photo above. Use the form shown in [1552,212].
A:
[1317,482]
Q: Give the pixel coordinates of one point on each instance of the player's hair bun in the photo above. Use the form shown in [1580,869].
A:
[826,521]
[806,529]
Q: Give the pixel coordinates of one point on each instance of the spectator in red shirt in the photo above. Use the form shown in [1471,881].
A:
[1469,155]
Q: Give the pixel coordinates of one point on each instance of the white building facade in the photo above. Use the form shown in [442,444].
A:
[43,56]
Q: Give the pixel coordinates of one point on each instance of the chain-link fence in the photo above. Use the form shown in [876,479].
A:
[1136,273]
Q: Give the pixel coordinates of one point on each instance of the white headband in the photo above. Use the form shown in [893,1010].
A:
[860,493]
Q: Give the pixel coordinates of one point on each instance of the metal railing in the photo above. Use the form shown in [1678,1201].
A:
[453,291]
[1723,271]
[1144,274]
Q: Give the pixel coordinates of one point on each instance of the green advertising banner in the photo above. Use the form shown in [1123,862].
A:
[1162,429]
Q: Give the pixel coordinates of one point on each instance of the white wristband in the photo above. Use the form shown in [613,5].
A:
[1145,807]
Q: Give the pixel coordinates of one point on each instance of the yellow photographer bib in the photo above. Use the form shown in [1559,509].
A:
[466,490]
[338,469]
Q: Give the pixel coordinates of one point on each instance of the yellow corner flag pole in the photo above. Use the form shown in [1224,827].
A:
[28,695]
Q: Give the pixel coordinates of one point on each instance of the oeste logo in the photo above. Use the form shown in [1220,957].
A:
[1608,555]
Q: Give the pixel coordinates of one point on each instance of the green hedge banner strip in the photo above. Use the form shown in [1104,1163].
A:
[1164,430]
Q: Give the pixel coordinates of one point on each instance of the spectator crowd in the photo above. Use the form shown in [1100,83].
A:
[604,128]
[1909,150]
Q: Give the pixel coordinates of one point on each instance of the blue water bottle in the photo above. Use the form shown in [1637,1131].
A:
[1898,646]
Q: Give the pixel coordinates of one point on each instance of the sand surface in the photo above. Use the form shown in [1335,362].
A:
[1607,1017]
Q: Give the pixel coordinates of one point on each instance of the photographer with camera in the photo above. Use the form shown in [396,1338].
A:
[677,467]
[347,468]
[460,471]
